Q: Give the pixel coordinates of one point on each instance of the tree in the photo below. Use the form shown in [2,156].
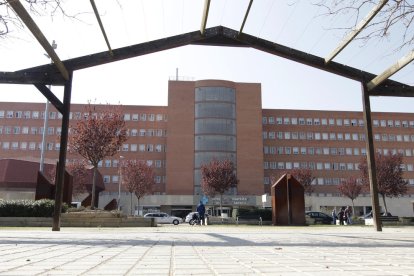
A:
[137,178]
[9,19]
[305,177]
[389,176]
[396,16]
[98,135]
[217,177]
[351,189]
[78,170]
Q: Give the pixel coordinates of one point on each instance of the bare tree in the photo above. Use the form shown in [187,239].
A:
[98,135]
[351,189]
[137,178]
[9,20]
[396,16]
[389,176]
[217,177]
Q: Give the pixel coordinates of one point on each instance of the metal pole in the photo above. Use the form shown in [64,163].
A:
[45,121]
[45,126]
[119,183]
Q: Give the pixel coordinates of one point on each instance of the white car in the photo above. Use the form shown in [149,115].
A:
[164,218]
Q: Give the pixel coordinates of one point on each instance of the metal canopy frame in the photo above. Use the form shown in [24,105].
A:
[61,73]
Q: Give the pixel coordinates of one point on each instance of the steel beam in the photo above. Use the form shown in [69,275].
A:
[205,16]
[371,158]
[245,16]
[34,29]
[60,180]
[51,97]
[400,64]
[351,35]
[95,10]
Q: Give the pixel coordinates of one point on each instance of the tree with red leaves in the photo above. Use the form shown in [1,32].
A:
[78,170]
[351,189]
[97,135]
[305,177]
[137,178]
[217,177]
[389,176]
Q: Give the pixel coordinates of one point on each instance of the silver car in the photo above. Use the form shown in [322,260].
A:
[190,216]
[164,218]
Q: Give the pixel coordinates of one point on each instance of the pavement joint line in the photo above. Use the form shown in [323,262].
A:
[131,268]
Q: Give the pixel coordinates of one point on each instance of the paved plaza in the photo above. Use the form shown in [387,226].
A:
[208,250]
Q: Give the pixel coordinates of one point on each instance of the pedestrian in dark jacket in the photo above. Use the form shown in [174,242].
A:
[341,216]
[201,209]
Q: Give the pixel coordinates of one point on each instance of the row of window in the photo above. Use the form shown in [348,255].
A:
[56,146]
[334,122]
[326,181]
[333,136]
[313,151]
[114,163]
[52,130]
[332,151]
[77,115]
[327,166]
[107,179]
[26,129]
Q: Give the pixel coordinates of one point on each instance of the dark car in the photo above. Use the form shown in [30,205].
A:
[319,217]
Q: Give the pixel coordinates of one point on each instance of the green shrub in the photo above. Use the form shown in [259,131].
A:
[29,208]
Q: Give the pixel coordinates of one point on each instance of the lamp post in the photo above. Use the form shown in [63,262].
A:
[45,122]
[119,182]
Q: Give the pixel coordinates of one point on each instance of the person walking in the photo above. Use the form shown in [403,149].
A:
[341,216]
[348,215]
[201,210]
[334,216]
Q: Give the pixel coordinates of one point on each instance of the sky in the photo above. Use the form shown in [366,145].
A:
[144,80]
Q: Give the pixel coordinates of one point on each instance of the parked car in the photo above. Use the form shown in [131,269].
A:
[319,217]
[190,216]
[164,218]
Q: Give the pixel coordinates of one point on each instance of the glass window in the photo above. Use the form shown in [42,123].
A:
[23,145]
[294,121]
[302,121]
[127,117]
[309,121]
[390,123]
[125,147]
[9,114]
[1,113]
[264,120]
[347,122]
[279,120]
[324,121]
[339,122]
[286,121]
[271,120]
[383,123]
[316,121]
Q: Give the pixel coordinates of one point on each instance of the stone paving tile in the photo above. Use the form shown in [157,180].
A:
[208,251]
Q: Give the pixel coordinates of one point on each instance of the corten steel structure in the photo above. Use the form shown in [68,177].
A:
[61,72]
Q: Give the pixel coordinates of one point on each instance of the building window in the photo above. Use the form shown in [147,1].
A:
[346,122]
[354,122]
[339,122]
[107,163]
[150,147]
[159,117]
[286,121]
[272,135]
[324,121]
[151,117]
[143,117]
[135,117]
[316,122]
[383,123]
[9,114]
[264,120]
[302,121]
[279,120]
[309,121]
[15,145]
[106,179]
[134,147]
[397,123]
[26,115]
[6,145]
[52,115]
[32,146]
[16,130]
[390,123]
[294,121]
[23,145]
[1,114]
[125,147]
[271,120]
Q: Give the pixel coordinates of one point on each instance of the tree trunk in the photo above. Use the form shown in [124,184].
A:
[131,203]
[385,204]
[221,207]
[95,169]
[138,205]
[353,208]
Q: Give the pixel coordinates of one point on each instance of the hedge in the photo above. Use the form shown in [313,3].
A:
[28,208]
[266,214]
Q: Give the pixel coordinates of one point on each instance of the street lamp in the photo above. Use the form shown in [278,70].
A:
[45,121]
[119,182]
